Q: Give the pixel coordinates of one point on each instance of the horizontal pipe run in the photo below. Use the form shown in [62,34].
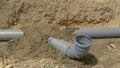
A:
[7,34]
[99,32]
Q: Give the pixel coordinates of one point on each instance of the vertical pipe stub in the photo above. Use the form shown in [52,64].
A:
[83,41]
[80,47]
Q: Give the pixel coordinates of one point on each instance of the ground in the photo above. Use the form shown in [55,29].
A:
[41,19]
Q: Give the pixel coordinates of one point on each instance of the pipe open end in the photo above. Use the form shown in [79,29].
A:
[83,41]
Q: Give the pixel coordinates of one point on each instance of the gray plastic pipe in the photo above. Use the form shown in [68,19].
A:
[99,32]
[78,49]
[7,34]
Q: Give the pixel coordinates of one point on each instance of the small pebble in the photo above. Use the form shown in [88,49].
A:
[112,46]
[9,66]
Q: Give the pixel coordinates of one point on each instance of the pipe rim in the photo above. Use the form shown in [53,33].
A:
[81,42]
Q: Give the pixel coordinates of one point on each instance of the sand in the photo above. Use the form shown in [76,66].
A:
[41,19]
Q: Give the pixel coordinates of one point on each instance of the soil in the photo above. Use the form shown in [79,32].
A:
[41,19]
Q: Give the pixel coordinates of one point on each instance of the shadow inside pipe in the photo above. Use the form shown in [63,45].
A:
[88,59]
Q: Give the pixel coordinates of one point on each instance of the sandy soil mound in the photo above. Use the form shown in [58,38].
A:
[62,12]
[34,44]
[40,19]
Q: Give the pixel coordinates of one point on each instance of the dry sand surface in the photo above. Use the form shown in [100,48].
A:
[41,19]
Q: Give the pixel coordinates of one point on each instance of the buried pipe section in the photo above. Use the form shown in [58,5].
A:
[99,32]
[76,50]
[8,34]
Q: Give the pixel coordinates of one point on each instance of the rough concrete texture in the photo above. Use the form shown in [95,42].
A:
[40,19]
